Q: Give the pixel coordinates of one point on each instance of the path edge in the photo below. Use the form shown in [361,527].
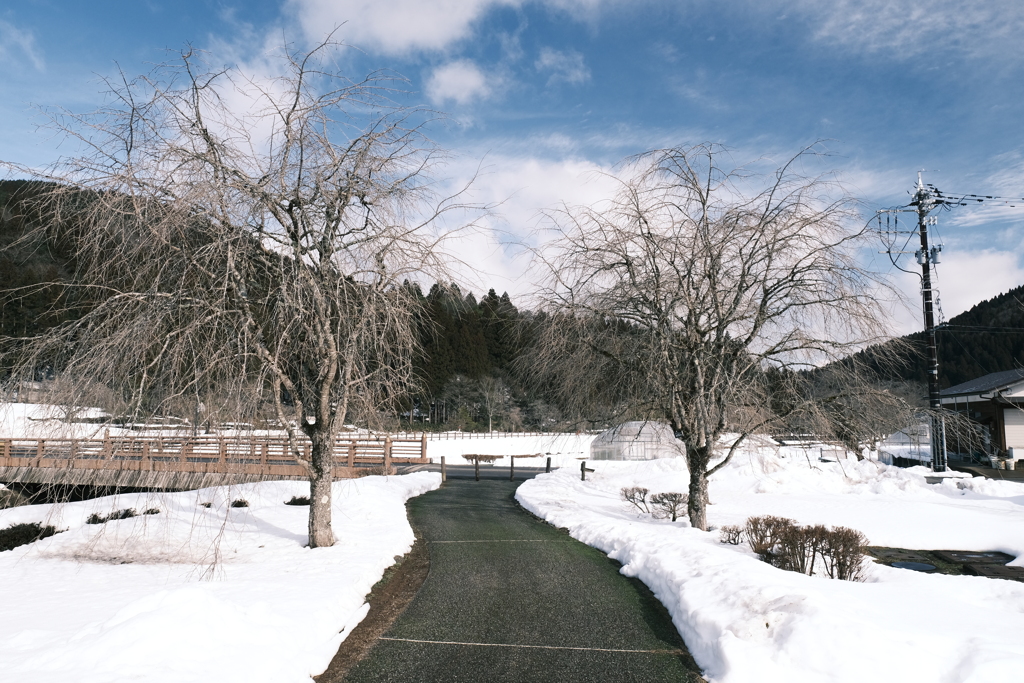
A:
[387,599]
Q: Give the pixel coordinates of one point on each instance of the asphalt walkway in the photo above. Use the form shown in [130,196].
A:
[511,598]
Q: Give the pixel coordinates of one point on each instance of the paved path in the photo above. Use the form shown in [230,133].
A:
[511,598]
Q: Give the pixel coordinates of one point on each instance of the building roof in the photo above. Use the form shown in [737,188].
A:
[985,383]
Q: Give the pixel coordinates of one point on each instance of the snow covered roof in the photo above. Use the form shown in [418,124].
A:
[989,382]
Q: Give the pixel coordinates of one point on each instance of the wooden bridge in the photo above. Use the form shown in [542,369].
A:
[190,462]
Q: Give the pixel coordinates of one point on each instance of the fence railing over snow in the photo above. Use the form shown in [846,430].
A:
[254,456]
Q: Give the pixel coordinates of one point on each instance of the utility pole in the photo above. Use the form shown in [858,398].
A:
[926,257]
[925,198]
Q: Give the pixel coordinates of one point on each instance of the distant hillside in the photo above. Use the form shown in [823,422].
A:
[987,338]
[31,273]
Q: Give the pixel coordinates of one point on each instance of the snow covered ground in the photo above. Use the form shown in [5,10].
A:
[41,421]
[196,593]
[565,450]
[745,621]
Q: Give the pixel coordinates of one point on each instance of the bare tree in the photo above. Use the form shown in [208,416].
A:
[494,397]
[696,293]
[243,242]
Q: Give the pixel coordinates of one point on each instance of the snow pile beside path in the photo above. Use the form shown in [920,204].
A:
[565,450]
[205,593]
[744,620]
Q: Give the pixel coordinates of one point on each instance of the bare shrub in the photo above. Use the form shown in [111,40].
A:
[669,504]
[637,496]
[842,553]
[764,532]
[731,534]
[798,548]
[781,543]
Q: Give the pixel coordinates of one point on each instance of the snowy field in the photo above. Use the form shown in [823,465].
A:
[196,593]
[532,450]
[746,621]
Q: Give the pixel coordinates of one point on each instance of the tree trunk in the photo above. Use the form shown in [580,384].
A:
[321,477]
[697,458]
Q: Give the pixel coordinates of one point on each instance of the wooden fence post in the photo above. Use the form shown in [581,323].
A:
[264,449]
[387,454]
[351,454]
[583,470]
[476,463]
[512,468]
[547,468]
[444,472]
[423,448]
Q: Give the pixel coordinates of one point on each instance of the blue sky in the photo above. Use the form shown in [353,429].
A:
[545,93]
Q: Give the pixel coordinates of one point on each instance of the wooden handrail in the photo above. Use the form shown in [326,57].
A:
[264,456]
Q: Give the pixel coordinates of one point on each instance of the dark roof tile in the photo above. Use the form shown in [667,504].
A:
[989,382]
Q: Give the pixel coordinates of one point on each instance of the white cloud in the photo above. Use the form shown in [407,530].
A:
[564,67]
[394,26]
[15,43]
[520,187]
[403,26]
[460,82]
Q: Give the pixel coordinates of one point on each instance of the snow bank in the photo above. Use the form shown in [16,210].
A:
[197,593]
[744,620]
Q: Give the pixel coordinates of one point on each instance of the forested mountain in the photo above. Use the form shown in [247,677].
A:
[987,338]
[32,298]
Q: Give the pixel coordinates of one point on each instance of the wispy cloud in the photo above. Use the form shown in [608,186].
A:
[17,44]
[564,67]
[907,28]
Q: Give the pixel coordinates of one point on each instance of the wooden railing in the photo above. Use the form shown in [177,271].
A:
[255,456]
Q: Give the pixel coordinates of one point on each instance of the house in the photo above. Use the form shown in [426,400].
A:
[996,402]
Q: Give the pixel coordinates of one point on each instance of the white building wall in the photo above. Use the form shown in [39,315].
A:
[1013,419]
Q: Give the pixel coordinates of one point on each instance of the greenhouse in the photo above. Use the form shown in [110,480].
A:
[642,440]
